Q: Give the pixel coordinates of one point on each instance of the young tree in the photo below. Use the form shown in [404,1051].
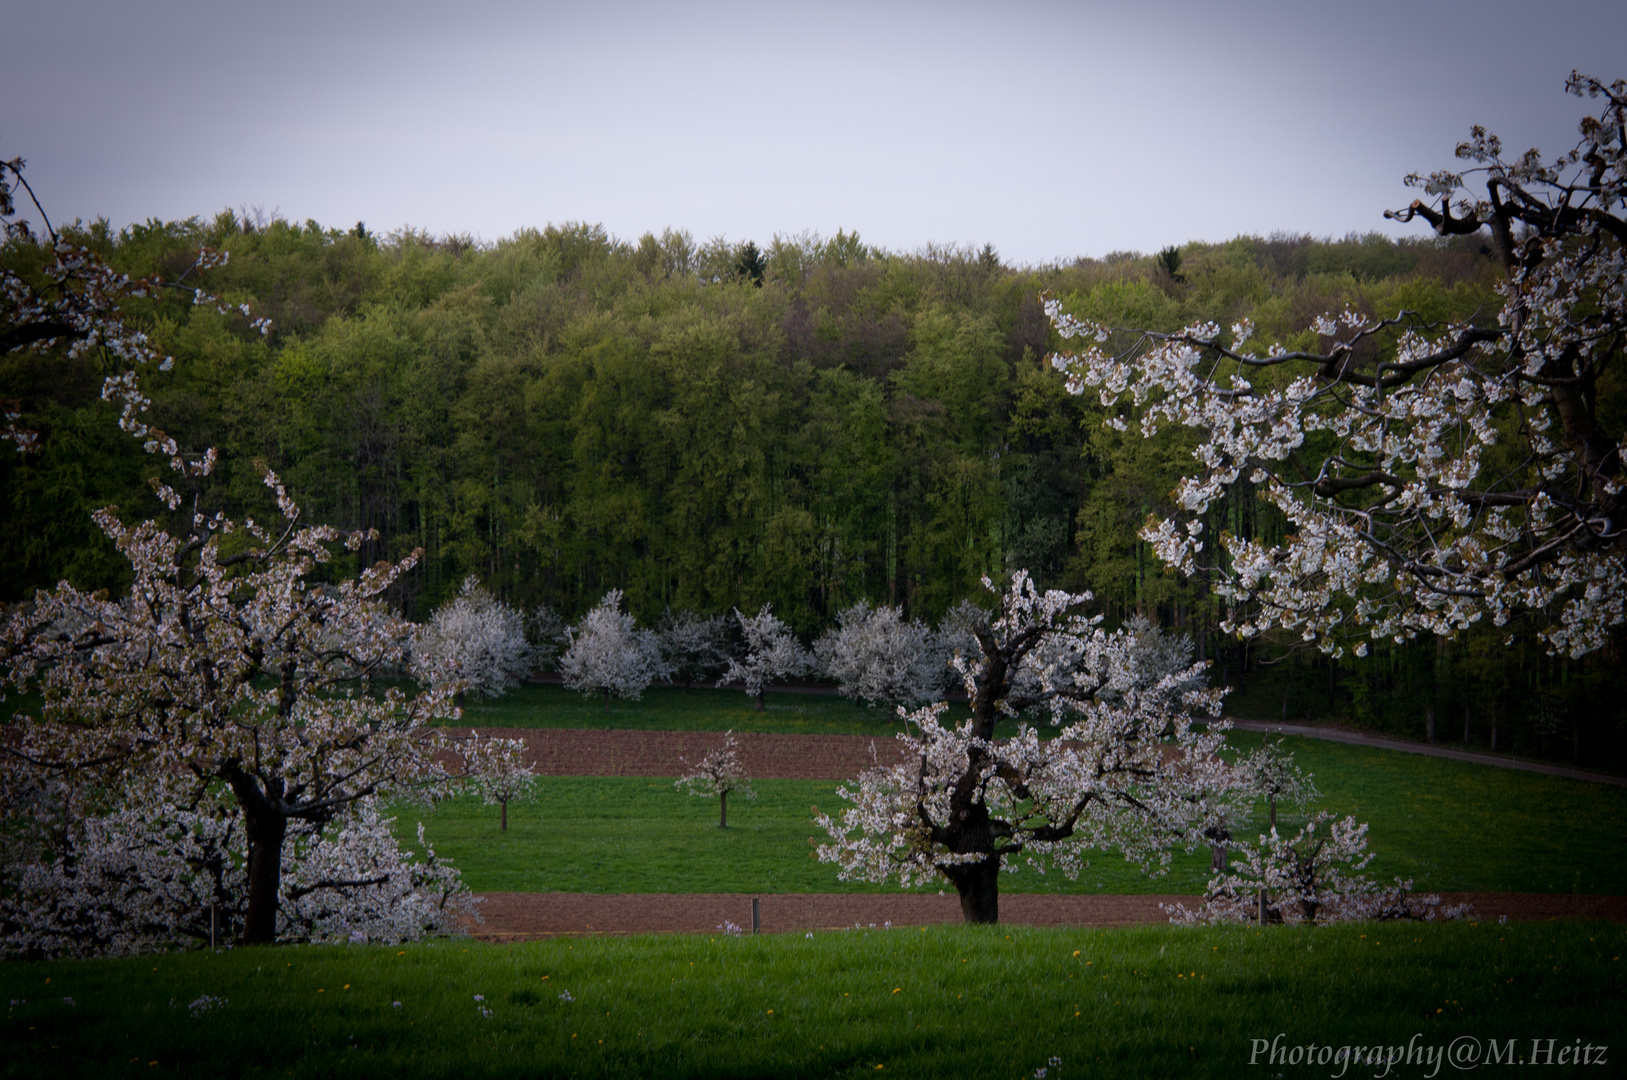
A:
[1431,475]
[224,664]
[609,655]
[1313,876]
[962,805]
[772,654]
[496,769]
[474,642]
[718,773]
[875,655]
[1270,773]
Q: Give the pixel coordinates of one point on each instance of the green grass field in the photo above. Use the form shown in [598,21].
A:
[1449,825]
[945,1001]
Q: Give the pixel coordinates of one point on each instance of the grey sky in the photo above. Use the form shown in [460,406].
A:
[1049,129]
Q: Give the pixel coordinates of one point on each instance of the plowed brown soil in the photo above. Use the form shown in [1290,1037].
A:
[515,916]
[570,752]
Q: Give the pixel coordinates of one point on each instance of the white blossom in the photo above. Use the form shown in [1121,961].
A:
[474,642]
[875,655]
[772,654]
[609,656]
[720,773]
[1396,526]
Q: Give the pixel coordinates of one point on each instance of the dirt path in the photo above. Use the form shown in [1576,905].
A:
[518,916]
[1385,742]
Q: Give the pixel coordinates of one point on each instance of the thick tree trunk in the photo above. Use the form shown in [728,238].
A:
[266,830]
[1429,723]
[503,803]
[723,809]
[979,887]
[759,699]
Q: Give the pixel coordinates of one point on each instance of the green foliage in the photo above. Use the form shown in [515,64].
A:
[562,413]
[943,1001]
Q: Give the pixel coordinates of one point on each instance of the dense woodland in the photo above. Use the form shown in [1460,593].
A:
[716,426]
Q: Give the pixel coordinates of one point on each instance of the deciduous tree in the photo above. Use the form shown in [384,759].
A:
[719,773]
[1433,474]
[962,805]
[225,663]
[474,642]
[876,655]
[495,768]
[609,656]
[772,654]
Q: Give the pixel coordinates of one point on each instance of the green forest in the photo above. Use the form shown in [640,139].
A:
[711,425]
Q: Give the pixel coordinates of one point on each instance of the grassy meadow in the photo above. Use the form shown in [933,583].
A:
[1449,825]
[941,1001]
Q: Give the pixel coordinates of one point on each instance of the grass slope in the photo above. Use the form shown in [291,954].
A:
[946,1001]
[1449,825]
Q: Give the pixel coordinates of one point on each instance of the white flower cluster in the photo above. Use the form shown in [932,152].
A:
[474,643]
[609,656]
[82,304]
[773,654]
[875,655]
[163,870]
[224,665]
[1311,876]
[1376,450]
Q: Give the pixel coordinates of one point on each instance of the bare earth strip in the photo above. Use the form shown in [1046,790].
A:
[573,752]
[516,916]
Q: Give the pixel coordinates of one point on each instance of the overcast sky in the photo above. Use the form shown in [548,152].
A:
[1051,130]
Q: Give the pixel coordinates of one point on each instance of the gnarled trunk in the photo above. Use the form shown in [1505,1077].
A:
[979,887]
[266,831]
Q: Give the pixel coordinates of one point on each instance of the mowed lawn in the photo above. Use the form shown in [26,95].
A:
[948,1001]
[1451,826]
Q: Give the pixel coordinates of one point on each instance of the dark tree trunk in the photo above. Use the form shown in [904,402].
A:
[723,809]
[503,803]
[266,830]
[979,887]
[759,699]
[1429,723]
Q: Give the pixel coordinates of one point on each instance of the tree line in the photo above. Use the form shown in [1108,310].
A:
[709,426]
